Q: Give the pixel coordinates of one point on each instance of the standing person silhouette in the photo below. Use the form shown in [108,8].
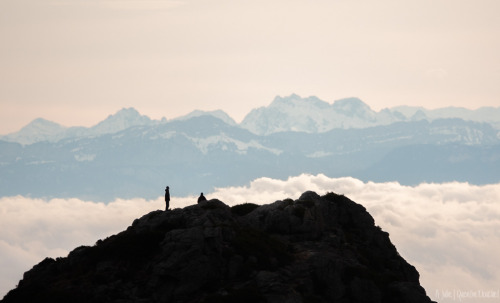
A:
[167,198]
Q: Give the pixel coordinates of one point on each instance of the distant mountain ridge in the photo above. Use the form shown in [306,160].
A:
[292,113]
[43,130]
[219,114]
[312,115]
[490,115]
[139,160]
[129,155]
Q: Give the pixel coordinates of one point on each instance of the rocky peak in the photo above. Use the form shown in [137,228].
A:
[314,249]
[219,114]
[296,101]
[121,120]
[37,130]
[353,107]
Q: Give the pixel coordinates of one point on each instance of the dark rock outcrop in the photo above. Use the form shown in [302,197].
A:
[314,249]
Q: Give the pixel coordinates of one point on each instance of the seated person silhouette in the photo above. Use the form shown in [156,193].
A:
[202,198]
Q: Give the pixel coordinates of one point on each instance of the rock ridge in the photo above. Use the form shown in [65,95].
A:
[313,249]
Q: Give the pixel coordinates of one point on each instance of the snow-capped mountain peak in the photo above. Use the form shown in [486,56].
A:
[43,130]
[352,107]
[295,101]
[284,114]
[37,130]
[121,120]
[219,114]
[311,114]
[43,126]
[292,113]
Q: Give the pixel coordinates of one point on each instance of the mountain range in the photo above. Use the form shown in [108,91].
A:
[292,113]
[129,155]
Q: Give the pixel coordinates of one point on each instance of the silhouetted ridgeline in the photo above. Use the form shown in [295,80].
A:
[314,249]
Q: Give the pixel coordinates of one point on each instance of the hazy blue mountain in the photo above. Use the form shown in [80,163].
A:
[42,130]
[292,113]
[313,115]
[36,131]
[489,115]
[129,155]
[216,113]
[123,119]
[204,152]
[415,164]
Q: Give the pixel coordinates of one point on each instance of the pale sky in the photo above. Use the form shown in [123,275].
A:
[77,61]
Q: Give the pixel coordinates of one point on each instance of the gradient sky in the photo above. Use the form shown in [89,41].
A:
[76,61]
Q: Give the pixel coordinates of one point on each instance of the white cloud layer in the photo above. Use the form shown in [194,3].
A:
[450,232]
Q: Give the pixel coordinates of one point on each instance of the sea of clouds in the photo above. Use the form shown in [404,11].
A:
[450,232]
